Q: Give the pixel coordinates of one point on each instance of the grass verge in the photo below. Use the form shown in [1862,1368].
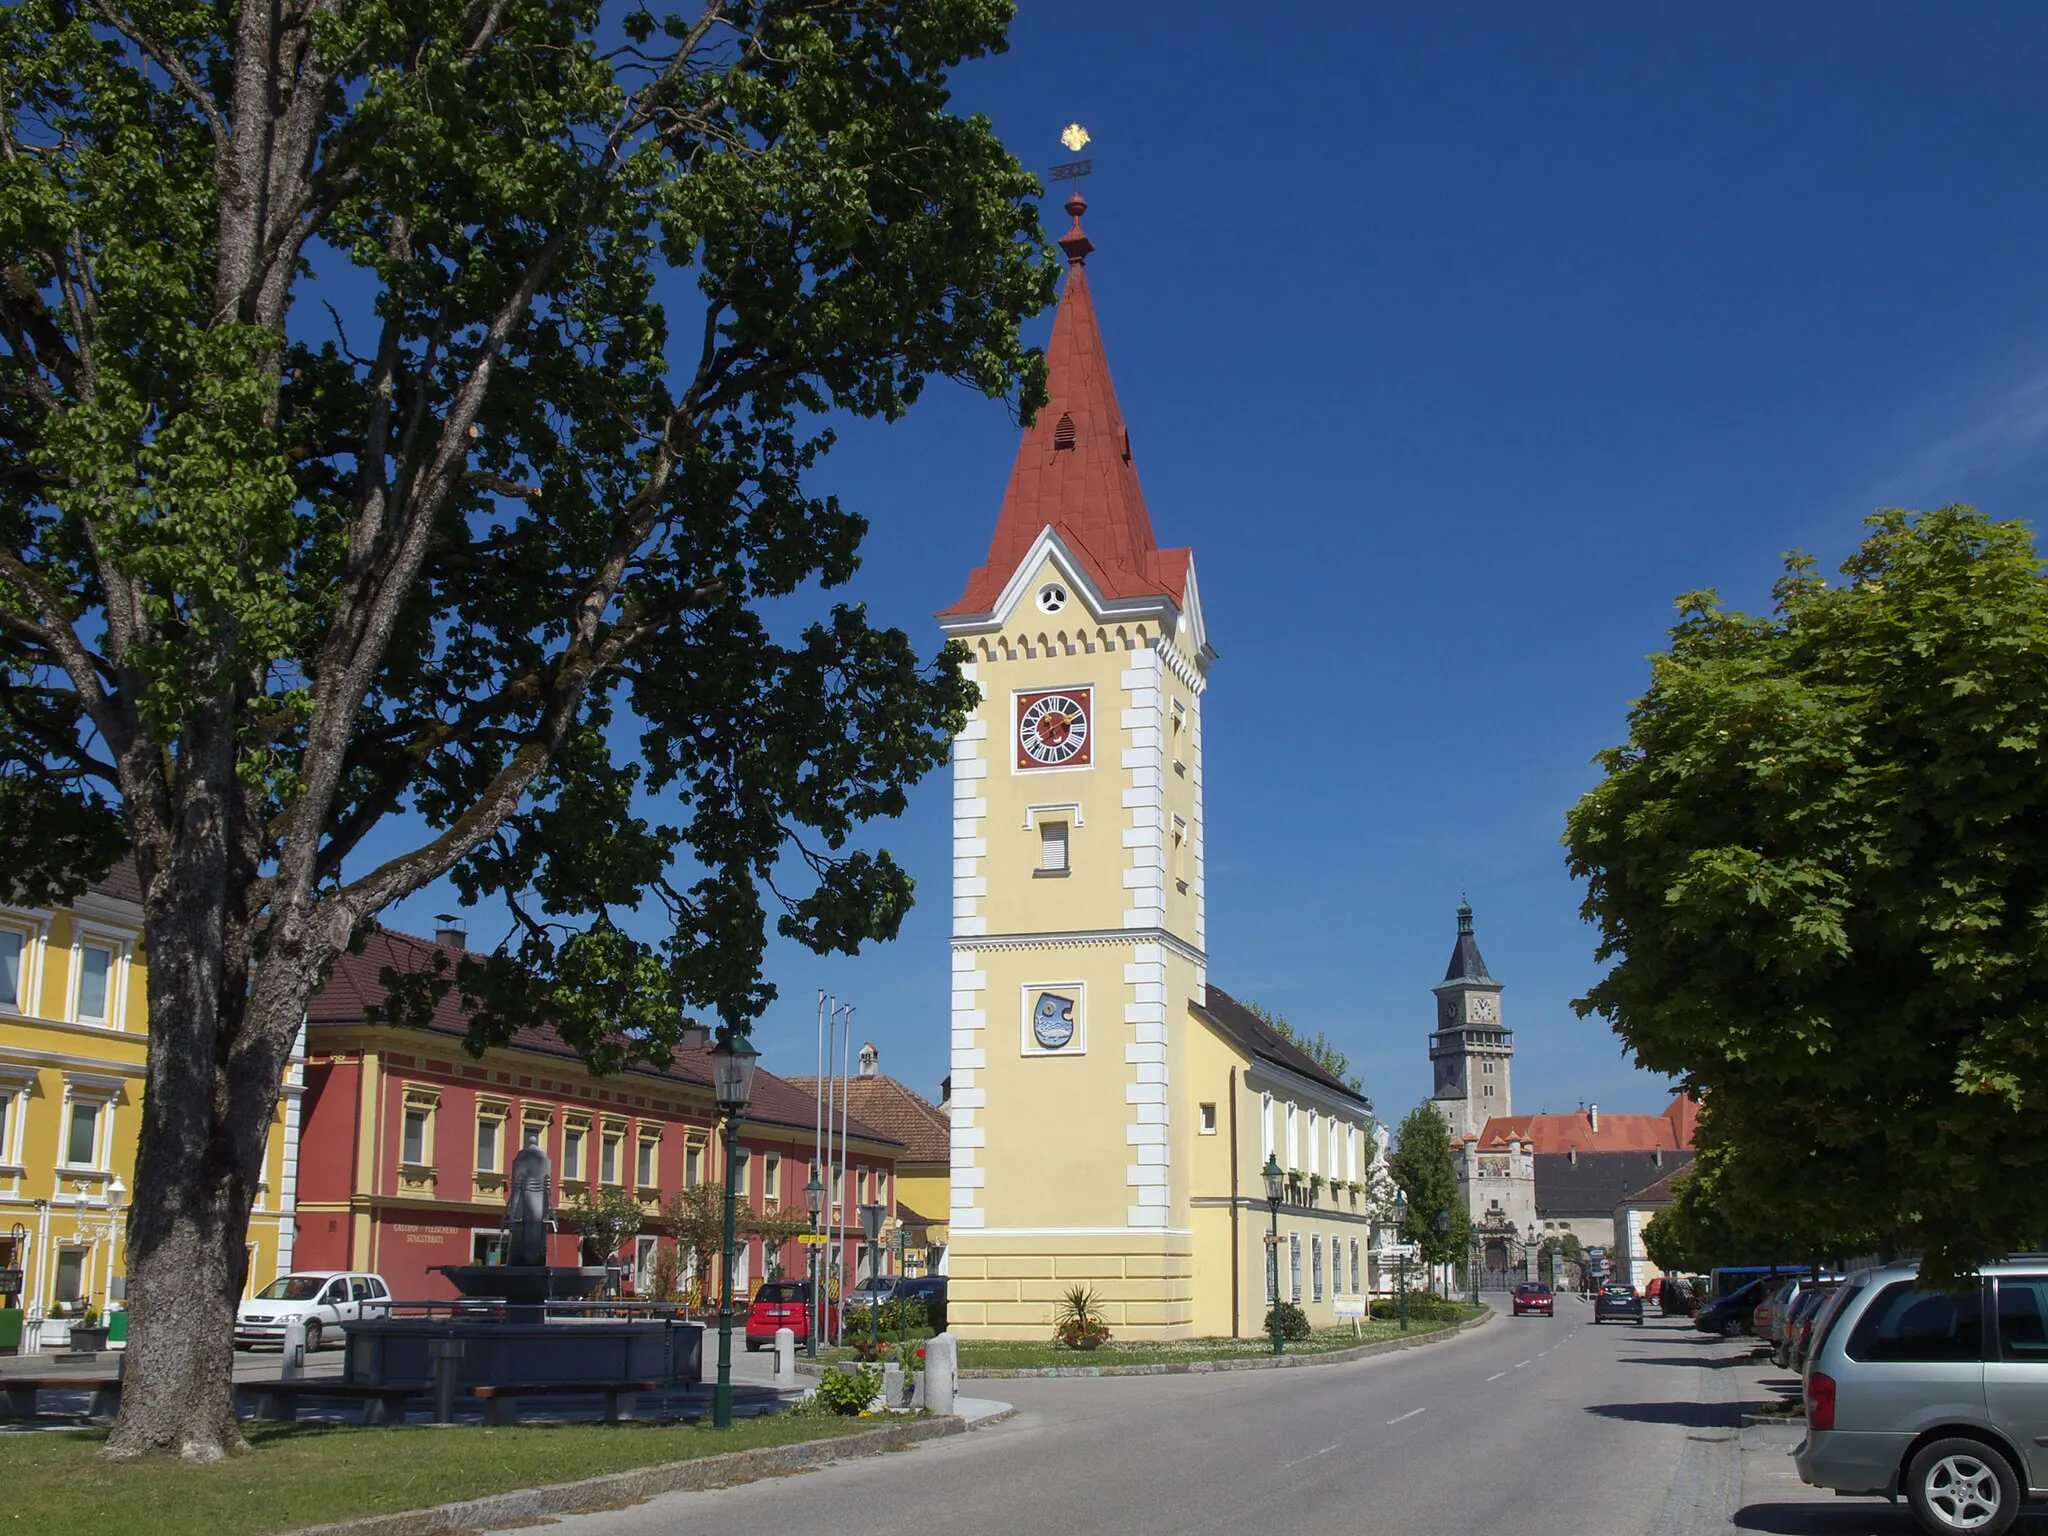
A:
[298,1475]
[1035,1354]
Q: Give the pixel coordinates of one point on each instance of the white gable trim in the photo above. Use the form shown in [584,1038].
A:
[1050,546]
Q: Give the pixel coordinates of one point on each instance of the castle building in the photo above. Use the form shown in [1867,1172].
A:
[1528,1178]
[1471,1050]
[1110,1109]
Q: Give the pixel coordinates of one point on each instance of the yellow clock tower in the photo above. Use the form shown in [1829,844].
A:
[1078,946]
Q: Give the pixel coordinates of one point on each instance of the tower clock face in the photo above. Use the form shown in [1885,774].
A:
[1450,1010]
[1053,728]
[1482,1009]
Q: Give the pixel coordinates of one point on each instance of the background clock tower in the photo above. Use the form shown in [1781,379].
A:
[1470,1048]
[1078,931]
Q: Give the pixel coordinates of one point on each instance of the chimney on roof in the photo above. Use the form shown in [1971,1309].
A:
[870,1059]
[1657,1152]
[1593,1114]
[1573,1154]
[449,931]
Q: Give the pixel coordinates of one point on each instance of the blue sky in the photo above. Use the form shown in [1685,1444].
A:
[1457,341]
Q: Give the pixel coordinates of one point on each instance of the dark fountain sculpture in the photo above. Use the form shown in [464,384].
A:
[526,1281]
[502,1333]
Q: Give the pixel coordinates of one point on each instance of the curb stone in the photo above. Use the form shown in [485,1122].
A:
[522,1505]
[1206,1367]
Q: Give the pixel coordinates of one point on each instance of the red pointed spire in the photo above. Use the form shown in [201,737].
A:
[1074,472]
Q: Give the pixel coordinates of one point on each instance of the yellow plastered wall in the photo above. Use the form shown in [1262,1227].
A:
[1072,1164]
[53,1057]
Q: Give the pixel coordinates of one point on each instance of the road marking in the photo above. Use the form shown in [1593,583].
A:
[1408,1415]
[1520,1363]
[1496,1376]
[1311,1456]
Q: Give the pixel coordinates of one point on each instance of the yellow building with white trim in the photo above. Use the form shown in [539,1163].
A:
[1110,1110]
[74,1041]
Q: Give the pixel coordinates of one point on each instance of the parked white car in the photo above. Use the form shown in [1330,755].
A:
[325,1300]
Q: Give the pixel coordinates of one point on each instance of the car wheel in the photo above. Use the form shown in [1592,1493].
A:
[312,1337]
[1962,1486]
[753,1348]
[1731,1328]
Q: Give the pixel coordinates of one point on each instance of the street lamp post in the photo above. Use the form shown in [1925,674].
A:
[732,1074]
[1276,1182]
[814,1202]
[871,1225]
[1400,1231]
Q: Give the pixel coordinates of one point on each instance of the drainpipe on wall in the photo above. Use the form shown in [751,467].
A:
[1236,1252]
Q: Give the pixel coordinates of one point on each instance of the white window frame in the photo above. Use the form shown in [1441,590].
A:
[1055,848]
[30,932]
[1315,1143]
[1207,1118]
[1294,1266]
[647,1155]
[16,1084]
[1266,1122]
[103,1093]
[771,1177]
[116,943]
[1293,1134]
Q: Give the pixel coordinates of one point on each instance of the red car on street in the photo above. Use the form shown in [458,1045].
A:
[1535,1298]
[779,1304]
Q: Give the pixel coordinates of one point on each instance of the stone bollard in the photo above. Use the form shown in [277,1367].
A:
[892,1384]
[294,1366]
[444,1353]
[941,1372]
[785,1357]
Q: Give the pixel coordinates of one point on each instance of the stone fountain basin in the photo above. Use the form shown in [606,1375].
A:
[396,1351]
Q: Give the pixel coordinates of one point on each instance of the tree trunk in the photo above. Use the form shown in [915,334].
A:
[211,1092]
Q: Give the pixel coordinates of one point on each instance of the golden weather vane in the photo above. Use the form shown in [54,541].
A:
[1074,136]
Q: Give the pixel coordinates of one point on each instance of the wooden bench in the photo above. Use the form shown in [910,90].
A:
[21,1393]
[500,1401]
[279,1400]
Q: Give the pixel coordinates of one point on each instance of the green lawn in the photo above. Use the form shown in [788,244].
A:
[1032,1354]
[299,1475]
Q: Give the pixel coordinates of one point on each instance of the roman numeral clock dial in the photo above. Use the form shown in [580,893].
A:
[1052,729]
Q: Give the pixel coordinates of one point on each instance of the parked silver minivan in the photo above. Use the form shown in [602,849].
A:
[1942,1397]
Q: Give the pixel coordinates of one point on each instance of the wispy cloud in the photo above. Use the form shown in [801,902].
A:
[1996,435]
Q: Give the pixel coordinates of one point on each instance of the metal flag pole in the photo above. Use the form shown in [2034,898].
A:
[845,1158]
[817,1164]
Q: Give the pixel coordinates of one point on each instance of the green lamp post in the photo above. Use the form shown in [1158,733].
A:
[1276,1184]
[1401,1232]
[732,1086]
[814,1202]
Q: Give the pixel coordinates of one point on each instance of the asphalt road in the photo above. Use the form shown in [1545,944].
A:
[1526,1426]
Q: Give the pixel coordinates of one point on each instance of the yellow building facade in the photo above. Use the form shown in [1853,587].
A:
[74,1038]
[1091,1078]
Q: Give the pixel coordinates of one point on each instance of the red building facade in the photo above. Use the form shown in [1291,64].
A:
[407,1140]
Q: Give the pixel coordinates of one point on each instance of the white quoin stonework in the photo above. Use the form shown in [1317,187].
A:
[970,1020]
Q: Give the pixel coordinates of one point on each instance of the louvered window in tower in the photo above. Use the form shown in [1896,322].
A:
[1063,434]
[1052,847]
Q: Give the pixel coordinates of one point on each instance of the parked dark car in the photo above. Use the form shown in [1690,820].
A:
[929,1289]
[1799,1315]
[1618,1301]
[1534,1298]
[1729,1314]
[778,1304]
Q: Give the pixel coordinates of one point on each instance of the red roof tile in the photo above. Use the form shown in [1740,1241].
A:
[893,1107]
[355,984]
[1074,472]
[1574,1132]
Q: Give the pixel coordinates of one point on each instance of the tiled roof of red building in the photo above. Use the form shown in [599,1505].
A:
[354,986]
[894,1107]
[1074,471]
[1684,1113]
[1575,1132]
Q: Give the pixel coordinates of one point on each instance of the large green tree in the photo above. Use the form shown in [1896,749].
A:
[1819,867]
[410,417]
[1426,1174]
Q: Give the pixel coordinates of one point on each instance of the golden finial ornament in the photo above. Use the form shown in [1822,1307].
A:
[1074,136]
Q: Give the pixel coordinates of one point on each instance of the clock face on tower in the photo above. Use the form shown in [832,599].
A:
[1450,1011]
[1482,1009]
[1053,728]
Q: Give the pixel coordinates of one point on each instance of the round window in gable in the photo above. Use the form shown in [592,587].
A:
[1052,597]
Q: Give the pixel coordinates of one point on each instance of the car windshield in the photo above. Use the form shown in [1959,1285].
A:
[1532,1290]
[292,1288]
[782,1290]
[1619,1290]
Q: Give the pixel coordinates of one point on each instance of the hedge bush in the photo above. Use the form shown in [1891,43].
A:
[1293,1321]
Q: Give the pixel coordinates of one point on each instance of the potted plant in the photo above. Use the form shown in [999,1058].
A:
[1076,1323]
[89,1334]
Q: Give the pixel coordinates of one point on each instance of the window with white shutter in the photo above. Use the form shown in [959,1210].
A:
[1052,847]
